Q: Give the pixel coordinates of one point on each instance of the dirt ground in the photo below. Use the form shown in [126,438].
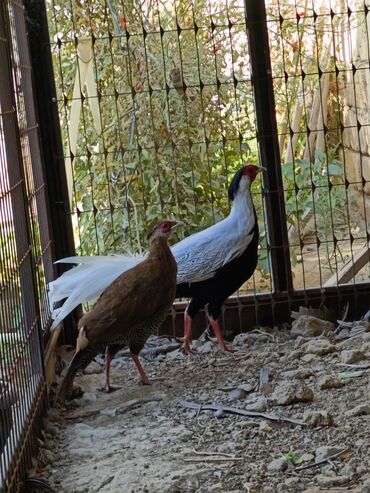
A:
[140,439]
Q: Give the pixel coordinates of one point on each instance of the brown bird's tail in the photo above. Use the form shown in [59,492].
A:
[79,362]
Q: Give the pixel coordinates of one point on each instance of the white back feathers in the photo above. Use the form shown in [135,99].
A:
[198,256]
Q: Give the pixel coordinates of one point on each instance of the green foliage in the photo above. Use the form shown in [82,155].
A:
[175,125]
[319,188]
[164,150]
[292,457]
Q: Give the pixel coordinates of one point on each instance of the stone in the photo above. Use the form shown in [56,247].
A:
[265,427]
[247,387]
[310,358]
[349,356]
[291,393]
[277,465]
[325,451]
[219,414]
[329,382]
[331,481]
[259,406]
[307,457]
[314,419]
[206,347]
[300,373]
[93,368]
[360,410]
[242,338]
[308,326]
[320,347]
[52,428]
[236,394]
[48,455]
[109,412]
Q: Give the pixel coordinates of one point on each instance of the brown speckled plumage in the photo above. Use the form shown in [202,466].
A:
[131,309]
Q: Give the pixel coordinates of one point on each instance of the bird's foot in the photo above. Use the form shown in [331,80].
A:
[108,388]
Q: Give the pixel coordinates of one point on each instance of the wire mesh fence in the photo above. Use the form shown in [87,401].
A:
[157,110]
[25,255]
[321,81]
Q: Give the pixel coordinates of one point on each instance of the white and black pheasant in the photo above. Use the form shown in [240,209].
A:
[132,308]
[212,264]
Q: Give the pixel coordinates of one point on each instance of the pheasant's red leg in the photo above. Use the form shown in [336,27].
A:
[187,334]
[218,332]
[143,376]
[107,387]
[107,368]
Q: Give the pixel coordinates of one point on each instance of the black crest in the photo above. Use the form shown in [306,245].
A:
[234,185]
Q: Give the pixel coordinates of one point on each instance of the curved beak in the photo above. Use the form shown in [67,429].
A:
[261,168]
[177,224]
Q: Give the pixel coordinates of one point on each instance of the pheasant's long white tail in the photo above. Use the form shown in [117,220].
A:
[86,281]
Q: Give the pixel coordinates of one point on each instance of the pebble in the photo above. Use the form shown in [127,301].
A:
[329,382]
[308,326]
[236,394]
[324,452]
[93,368]
[314,419]
[220,414]
[349,356]
[52,429]
[309,358]
[360,410]
[292,392]
[109,412]
[247,387]
[260,405]
[331,481]
[307,457]
[207,347]
[300,373]
[320,347]
[265,427]
[277,465]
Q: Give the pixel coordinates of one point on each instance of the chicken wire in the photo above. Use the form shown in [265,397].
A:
[158,109]
[321,82]
[25,255]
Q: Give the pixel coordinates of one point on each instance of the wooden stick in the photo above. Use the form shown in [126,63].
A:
[234,410]
[214,459]
[321,462]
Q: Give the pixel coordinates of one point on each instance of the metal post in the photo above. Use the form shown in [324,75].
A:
[51,140]
[255,13]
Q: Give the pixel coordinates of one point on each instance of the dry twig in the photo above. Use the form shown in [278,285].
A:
[321,462]
[241,412]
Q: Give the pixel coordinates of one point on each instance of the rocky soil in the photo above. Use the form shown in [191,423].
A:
[310,388]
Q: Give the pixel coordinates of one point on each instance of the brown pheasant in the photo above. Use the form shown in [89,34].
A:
[132,308]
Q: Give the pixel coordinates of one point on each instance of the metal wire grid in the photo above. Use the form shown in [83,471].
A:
[25,254]
[171,120]
[321,95]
